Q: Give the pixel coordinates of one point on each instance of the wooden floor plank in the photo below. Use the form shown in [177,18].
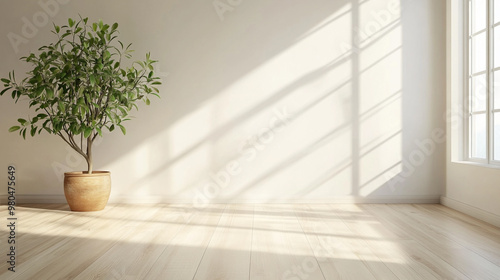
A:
[461,258]
[228,254]
[39,246]
[483,243]
[336,251]
[87,242]
[265,241]
[280,249]
[182,256]
[42,222]
[481,227]
[135,252]
[403,251]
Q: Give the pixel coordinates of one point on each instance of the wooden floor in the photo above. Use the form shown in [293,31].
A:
[252,242]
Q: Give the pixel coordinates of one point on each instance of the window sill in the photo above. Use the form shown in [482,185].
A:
[478,164]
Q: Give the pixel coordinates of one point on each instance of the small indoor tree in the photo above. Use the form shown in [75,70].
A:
[81,85]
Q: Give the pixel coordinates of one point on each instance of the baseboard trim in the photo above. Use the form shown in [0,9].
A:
[34,198]
[471,211]
[21,198]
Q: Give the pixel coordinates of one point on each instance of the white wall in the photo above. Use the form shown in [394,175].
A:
[470,188]
[362,84]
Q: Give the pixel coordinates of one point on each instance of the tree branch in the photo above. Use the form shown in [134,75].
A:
[76,148]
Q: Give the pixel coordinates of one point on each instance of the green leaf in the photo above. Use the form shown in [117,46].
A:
[38,91]
[22,121]
[111,128]
[123,111]
[99,131]
[114,27]
[33,131]
[3,91]
[44,125]
[94,26]
[5,81]
[87,132]
[59,126]
[61,106]
[124,131]
[57,28]
[148,101]
[71,22]
[14,128]
[80,101]
[50,93]
[92,80]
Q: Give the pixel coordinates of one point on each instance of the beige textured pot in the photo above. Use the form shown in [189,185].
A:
[87,192]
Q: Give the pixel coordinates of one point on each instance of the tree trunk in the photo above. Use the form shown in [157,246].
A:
[89,155]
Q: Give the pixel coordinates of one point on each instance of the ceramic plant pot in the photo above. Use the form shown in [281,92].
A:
[87,192]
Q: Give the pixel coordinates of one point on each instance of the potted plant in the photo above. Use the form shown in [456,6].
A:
[79,87]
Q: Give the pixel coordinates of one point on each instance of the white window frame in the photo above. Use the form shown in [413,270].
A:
[489,112]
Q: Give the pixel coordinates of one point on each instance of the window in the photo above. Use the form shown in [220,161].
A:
[483,80]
